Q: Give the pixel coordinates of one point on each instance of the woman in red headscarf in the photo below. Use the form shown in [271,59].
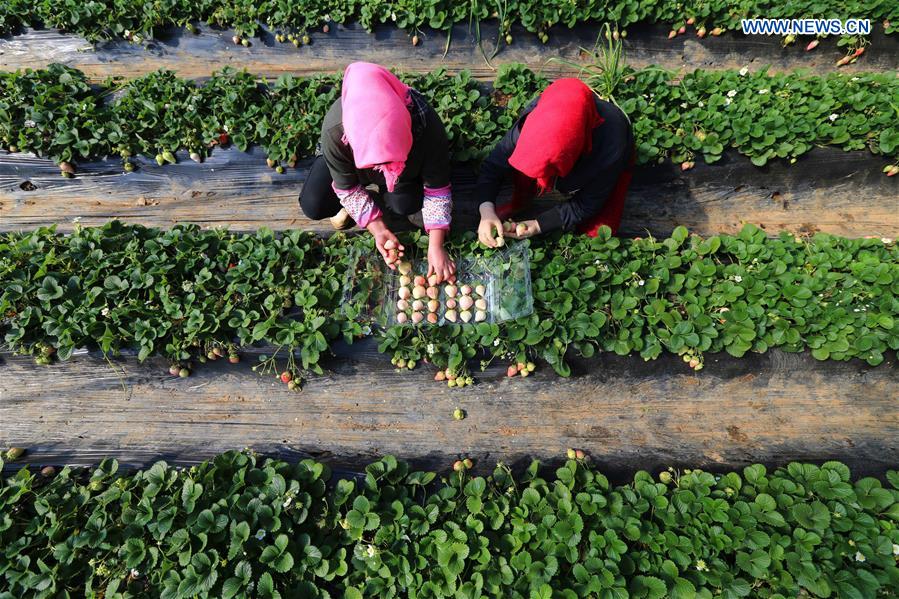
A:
[568,140]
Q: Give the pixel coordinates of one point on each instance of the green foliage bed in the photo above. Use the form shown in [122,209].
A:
[56,113]
[244,526]
[185,292]
[105,19]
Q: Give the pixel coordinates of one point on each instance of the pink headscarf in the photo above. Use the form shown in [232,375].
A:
[376,121]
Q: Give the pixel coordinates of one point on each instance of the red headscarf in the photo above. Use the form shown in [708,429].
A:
[557,132]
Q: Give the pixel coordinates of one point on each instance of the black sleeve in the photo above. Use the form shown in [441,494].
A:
[495,167]
[585,203]
[436,167]
[338,155]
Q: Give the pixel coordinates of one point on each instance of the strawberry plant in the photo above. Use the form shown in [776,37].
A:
[293,21]
[185,293]
[55,113]
[242,525]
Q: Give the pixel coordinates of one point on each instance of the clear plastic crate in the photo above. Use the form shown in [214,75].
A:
[498,286]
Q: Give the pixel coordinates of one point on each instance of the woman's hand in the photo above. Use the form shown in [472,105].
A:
[439,262]
[524,229]
[490,222]
[386,242]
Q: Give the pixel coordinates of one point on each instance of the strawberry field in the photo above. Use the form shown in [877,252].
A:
[196,402]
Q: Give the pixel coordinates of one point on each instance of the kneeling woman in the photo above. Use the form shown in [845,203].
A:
[382,132]
[568,140]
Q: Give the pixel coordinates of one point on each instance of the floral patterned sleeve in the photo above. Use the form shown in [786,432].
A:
[437,208]
[358,204]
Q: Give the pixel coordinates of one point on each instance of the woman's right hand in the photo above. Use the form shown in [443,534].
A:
[490,222]
[382,235]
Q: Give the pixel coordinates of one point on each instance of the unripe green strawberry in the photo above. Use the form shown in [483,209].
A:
[571,454]
[128,166]
[169,157]
[184,373]
[468,463]
[160,160]
[279,169]
[665,477]
[531,367]
[459,414]
[14,453]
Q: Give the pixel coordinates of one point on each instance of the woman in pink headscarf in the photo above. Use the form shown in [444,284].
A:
[382,132]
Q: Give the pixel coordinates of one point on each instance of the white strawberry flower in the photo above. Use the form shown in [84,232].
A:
[743,71]
[895,549]
[701,565]
[859,556]
[29,123]
[701,104]
[763,91]
[496,342]
[287,502]
[430,349]
[134,573]
[732,93]
[727,102]
[738,278]
[641,282]
[260,534]
[105,311]
[371,551]
[833,117]
[886,240]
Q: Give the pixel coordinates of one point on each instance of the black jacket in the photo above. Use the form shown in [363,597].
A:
[428,162]
[590,181]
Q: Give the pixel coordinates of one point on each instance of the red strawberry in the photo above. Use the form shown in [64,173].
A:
[286,377]
[440,376]
[234,358]
[511,371]
[812,45]
[458,466]
[672,34]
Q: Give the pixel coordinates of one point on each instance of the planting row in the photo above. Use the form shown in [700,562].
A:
[194,295]
[57,114]
[293,21]
[245,526]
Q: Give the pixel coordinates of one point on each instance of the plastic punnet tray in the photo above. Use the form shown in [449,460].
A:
[490,288]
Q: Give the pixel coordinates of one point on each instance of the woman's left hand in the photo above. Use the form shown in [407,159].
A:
[524,229]
[439,263]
